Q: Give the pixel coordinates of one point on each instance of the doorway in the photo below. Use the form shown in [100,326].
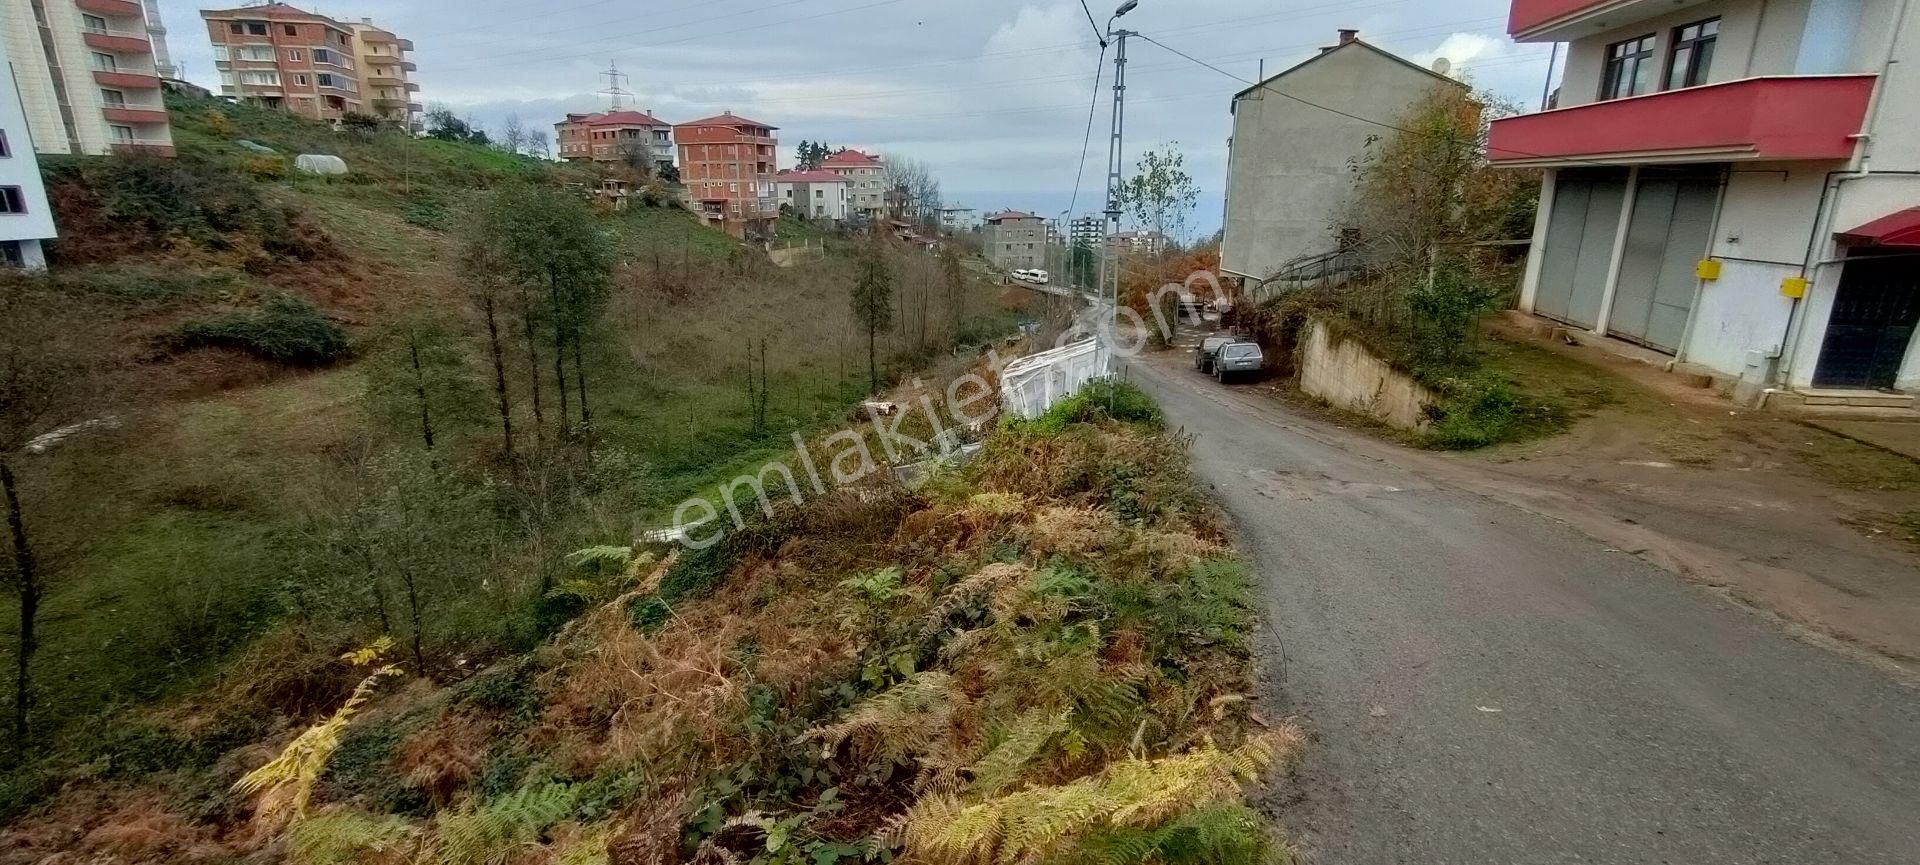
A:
[1874,315]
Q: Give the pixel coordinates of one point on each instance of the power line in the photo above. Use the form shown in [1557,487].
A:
[1086,141]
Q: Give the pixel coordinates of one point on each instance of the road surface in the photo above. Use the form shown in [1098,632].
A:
[1487,685]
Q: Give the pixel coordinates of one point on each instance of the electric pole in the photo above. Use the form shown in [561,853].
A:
[1116,170]
[616,90]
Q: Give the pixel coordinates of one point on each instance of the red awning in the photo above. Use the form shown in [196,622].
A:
[1898,229]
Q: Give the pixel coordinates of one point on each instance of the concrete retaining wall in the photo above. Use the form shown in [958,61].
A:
[1349,376]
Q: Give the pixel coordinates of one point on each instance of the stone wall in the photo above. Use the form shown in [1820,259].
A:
[1349,376]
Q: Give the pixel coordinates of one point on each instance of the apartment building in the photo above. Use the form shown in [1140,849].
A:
[814,194]
[868,174]
[157,35]
[621,135]
[86,76]
[727,163]
[1289,163]
[1016,240]
[1147,242]
[386,75]
[956,219]
[1087,231]
[25,217]
[283,57]
[1736,184]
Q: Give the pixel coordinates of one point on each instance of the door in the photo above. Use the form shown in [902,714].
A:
[1873,319]
[1669,233]
[1579,247]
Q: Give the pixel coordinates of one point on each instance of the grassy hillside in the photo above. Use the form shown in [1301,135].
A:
[256,505]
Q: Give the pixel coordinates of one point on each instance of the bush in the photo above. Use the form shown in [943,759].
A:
[1098,401]
[107,205]
[287,330]
[1484,410]
[430,215]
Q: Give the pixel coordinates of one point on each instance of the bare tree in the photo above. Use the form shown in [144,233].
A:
[539,144]
[513,135]
[917,186]
[54,376]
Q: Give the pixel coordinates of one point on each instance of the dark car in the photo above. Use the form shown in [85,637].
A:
[1203,355]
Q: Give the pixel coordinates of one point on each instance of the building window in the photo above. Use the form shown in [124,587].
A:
[94,23]
[237,29]
[122,134]
[256,28]
[114,98]
[12,200]
[105,62]
[291,29]
[1692,57]
[296,55]
[1630,69]
[302,80]
[322,55]
[5,152]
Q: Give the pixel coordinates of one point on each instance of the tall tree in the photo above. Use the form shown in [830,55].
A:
[872,298]
[954,276]
[55,371]
[1161,196]
[418,379]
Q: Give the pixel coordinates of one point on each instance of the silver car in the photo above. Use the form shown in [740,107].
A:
[1239,359]
[1203,356]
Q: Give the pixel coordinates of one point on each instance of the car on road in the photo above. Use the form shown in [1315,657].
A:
[1239,359]
[1203,354]
[1037,277]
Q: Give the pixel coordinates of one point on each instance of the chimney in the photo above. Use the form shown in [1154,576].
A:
[1348,37]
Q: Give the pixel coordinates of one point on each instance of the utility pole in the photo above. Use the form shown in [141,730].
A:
[1116,170]
[616,90]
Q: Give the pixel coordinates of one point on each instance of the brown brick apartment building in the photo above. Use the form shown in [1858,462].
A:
[287,58]
[728,164]
[621,135]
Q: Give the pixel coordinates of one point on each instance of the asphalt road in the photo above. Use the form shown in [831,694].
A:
[1486,685]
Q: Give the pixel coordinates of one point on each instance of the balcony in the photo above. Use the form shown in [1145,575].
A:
[140,147]
[1566,20]
[410,66]
[1812,117]
[126,80]
[385,81]
[118,41]
[133,114]
[112,8]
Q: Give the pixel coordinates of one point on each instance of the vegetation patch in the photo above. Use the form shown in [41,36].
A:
[287,329]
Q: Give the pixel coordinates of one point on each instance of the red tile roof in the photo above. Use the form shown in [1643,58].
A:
[728,119]
[850,159]
[273,11]
[1010,214]
[622,118]
[793,176]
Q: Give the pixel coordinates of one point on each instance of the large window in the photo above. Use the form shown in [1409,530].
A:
[12,200]
[1630,69]
[114,98]
[105,62]
[5,152]
[1692,57]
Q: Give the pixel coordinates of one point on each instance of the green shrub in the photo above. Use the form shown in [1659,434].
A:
[1483,410]
[429,215]
[149,283]
[1102,400]
[287,330]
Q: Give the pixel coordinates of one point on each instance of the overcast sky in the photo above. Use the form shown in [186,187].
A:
[992,94]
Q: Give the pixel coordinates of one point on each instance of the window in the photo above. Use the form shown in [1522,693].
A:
[114,98]
[322,55]
[219,53]
[303,80]
[256,53]
[226,78]
[260,79]
[123,134]
[5,152]
[94,22]
[296,55]
[105,62]
[291,29]
[237,29]
[257,28]
[1629,69]
[12,200]
[1692,57]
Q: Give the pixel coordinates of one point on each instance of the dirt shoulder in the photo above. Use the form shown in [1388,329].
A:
[1815,528]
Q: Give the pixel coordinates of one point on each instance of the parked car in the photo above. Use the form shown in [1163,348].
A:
[1239,359]
[1209,347]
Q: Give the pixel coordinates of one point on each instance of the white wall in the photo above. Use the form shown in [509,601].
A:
[1289,179]
[22,169]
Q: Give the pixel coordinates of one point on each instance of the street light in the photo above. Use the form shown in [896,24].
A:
[1126,7]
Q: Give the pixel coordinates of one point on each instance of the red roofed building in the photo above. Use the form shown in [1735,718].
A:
[818,194]
[622,135]
[868,194]
[728,163]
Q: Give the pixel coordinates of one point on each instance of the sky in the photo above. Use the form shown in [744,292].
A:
[992,95]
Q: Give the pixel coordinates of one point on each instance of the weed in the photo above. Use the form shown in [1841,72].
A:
[287,330]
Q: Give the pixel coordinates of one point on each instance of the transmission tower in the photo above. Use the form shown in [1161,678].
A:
[616,92]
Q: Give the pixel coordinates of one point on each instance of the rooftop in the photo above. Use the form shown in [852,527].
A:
[279,11]
[793,176]
[1010,214]
[728,119]
[617,118]
[850,159]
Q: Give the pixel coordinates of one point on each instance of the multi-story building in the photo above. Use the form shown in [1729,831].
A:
[86,76]
[1289,164]
[621,135]
[728,163]
[157,35]
[386,75]
[869,177]
[1087,231]
[1016,240]
[956,219]
[814,194]
[286,58]
[25,217]
[1147,242]
[1736,184]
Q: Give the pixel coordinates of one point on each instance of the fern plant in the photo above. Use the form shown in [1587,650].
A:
[285,784]
[343,837]
[489,834]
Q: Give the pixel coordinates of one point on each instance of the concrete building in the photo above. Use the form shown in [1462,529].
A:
[386,75]
[728,164]
[157,35]
[1016,240]
[1735,184]
[1087,231]
[1289,174]
[87,77]
[1139,242]
[869,177]
[25,217]
[815,194]
[956,219]
[618,136]
[283,57]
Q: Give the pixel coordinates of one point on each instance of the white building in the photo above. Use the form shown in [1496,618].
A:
[25,217]
[1734,183]
[814,194]
[868,174]
[956,219]
[1087,231]
[1289,167]
[87,75]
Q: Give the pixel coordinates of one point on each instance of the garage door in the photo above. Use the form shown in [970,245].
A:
[1670,232]
[1579,248]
